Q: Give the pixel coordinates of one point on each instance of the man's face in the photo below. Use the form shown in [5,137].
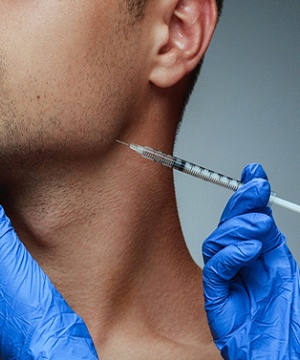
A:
[66,74]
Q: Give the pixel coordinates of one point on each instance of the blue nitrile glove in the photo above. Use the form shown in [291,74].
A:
[35,321]
[251,280]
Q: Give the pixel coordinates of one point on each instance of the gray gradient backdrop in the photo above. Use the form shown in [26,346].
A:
[245,109]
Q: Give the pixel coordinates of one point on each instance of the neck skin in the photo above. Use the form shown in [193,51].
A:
[108,235]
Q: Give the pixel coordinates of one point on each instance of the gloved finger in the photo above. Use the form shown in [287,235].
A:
[267,278]
[239,229]
[17,266]
[21,295]
[223,267]
[251,197]
[29,303]
[253,171]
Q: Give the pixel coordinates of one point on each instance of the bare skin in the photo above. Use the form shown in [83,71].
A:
[102,223]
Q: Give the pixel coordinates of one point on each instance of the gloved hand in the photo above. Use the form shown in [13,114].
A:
[35,321]
[251,280]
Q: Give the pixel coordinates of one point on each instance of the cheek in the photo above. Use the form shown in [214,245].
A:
[64,71]
[51,48]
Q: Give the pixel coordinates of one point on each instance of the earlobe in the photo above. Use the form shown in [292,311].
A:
[190,28]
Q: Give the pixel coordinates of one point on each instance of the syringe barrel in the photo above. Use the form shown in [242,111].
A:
[206,174]
[202,173]
[158,157]
[191,169]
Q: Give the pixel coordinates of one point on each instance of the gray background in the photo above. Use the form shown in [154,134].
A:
[245,108]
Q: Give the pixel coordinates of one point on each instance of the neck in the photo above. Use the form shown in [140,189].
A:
[109,238]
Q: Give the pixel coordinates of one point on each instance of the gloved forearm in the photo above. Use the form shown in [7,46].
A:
[35,321]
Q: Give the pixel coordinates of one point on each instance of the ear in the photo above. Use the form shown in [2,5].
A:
[181,39]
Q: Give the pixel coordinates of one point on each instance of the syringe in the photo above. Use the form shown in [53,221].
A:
[201,172]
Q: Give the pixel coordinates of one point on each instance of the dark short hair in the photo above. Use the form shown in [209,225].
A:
[136,8]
